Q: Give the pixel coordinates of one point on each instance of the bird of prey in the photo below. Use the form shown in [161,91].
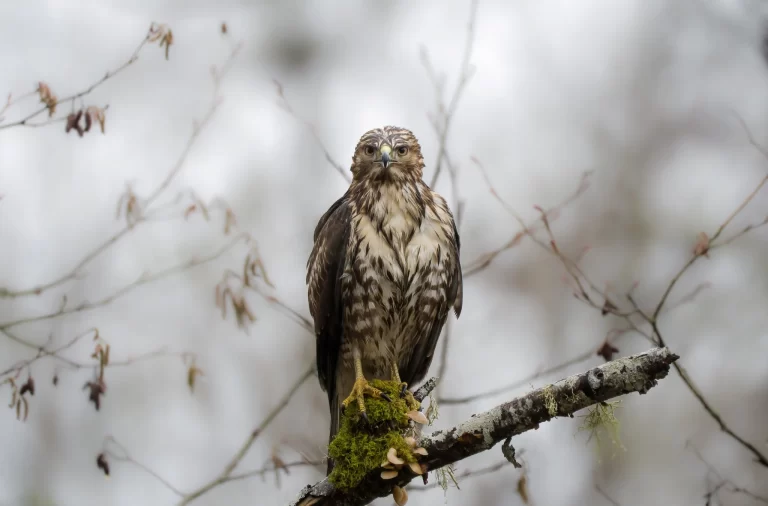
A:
[383,274]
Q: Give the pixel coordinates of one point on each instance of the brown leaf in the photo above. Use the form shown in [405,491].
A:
[608,307]
[96,390]
[101,463]
[702,245]
[606,350]
[192,373]
[29,386]
[522,488]
[47,97]
[73,120]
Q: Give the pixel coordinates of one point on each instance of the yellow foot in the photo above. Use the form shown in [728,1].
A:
[406,394]
[360,389]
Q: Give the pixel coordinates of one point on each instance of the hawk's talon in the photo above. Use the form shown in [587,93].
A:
[404,388]
[386,397]
[360,389]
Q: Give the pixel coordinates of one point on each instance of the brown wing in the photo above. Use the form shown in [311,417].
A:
[324,268]
[422,355]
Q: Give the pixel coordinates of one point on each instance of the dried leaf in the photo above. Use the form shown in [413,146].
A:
[29,386]
[95,113]
[606,350]
[608,307]
[192,373]
[47,97]
[101,463]
[522,488]
[702,245]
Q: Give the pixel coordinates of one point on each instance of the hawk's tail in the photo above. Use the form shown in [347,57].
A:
[335,412]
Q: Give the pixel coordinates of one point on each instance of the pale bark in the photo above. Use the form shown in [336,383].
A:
[637,373]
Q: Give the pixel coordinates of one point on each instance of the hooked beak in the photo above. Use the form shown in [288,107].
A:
[385,159]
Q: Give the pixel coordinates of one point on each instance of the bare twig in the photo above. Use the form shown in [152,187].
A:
[71,98]
[444,401]
[312,130]
[481,432]
[143,280]
[226,474]
[525,229]
[272,468]
[606,496]
[77,270]
[118,452]
[468,473]
[446,113]
[700,252]
[703,246]
[722,483]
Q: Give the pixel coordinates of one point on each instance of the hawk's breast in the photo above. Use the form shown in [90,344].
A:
[399,275]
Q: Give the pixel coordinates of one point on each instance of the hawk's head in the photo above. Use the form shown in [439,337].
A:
[387,154]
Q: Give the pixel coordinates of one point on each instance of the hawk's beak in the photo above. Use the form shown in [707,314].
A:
[385,159]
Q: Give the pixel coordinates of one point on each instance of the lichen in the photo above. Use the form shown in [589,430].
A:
[361,447]
[602,415]
[549,401]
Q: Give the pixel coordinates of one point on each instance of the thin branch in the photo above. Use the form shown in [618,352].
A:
[122,455]
[468,473]
[444,401]
[272,468]
[700,253]
[312,130]
[226,474]
[605,495]
[71,98]
[465,74]
[525,229]
[481,432]
[143,280]
[197,129]
[723,483]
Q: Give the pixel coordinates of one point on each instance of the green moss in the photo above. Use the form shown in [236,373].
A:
[359,448]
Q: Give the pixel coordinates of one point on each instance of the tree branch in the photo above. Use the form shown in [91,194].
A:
[637,373]
[226,474]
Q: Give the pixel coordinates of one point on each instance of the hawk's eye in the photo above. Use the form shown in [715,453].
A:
[402,150]
[369,150]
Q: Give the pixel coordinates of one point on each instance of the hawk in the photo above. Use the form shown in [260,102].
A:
[383,274]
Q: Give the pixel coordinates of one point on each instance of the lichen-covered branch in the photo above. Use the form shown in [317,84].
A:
[637,373]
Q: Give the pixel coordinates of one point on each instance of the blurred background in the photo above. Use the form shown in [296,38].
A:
[647,96]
